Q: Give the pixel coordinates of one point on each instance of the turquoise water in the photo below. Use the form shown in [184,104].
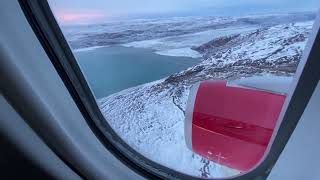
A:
[112,69]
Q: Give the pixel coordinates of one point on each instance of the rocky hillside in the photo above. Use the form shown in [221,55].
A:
[150,117]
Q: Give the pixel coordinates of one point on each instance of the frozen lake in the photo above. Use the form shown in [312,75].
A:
[112,69]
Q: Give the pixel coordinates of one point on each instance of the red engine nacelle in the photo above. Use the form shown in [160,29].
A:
[231,126]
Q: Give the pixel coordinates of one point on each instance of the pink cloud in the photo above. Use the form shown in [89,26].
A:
[68,17]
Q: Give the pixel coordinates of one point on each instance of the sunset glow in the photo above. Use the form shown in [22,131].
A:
[66,17]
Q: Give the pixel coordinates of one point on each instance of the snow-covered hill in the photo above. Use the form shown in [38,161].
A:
[121,32]
[150,117]
[274,45]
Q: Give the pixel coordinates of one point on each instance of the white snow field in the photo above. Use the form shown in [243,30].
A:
[181,45]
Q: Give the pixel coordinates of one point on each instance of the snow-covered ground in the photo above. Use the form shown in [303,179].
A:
[150,117]
[122,32]
[182,45]
[88,48]
[268,44]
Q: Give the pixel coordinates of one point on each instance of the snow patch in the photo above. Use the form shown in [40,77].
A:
[88,48]
[181,52]
[182,45]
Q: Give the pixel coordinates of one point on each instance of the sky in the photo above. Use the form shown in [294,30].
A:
[95,11]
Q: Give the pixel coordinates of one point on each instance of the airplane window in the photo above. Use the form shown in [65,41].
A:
[196,86]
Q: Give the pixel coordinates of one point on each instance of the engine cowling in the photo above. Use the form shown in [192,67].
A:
[231,125]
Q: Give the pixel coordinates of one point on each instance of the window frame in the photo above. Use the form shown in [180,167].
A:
[48,32]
